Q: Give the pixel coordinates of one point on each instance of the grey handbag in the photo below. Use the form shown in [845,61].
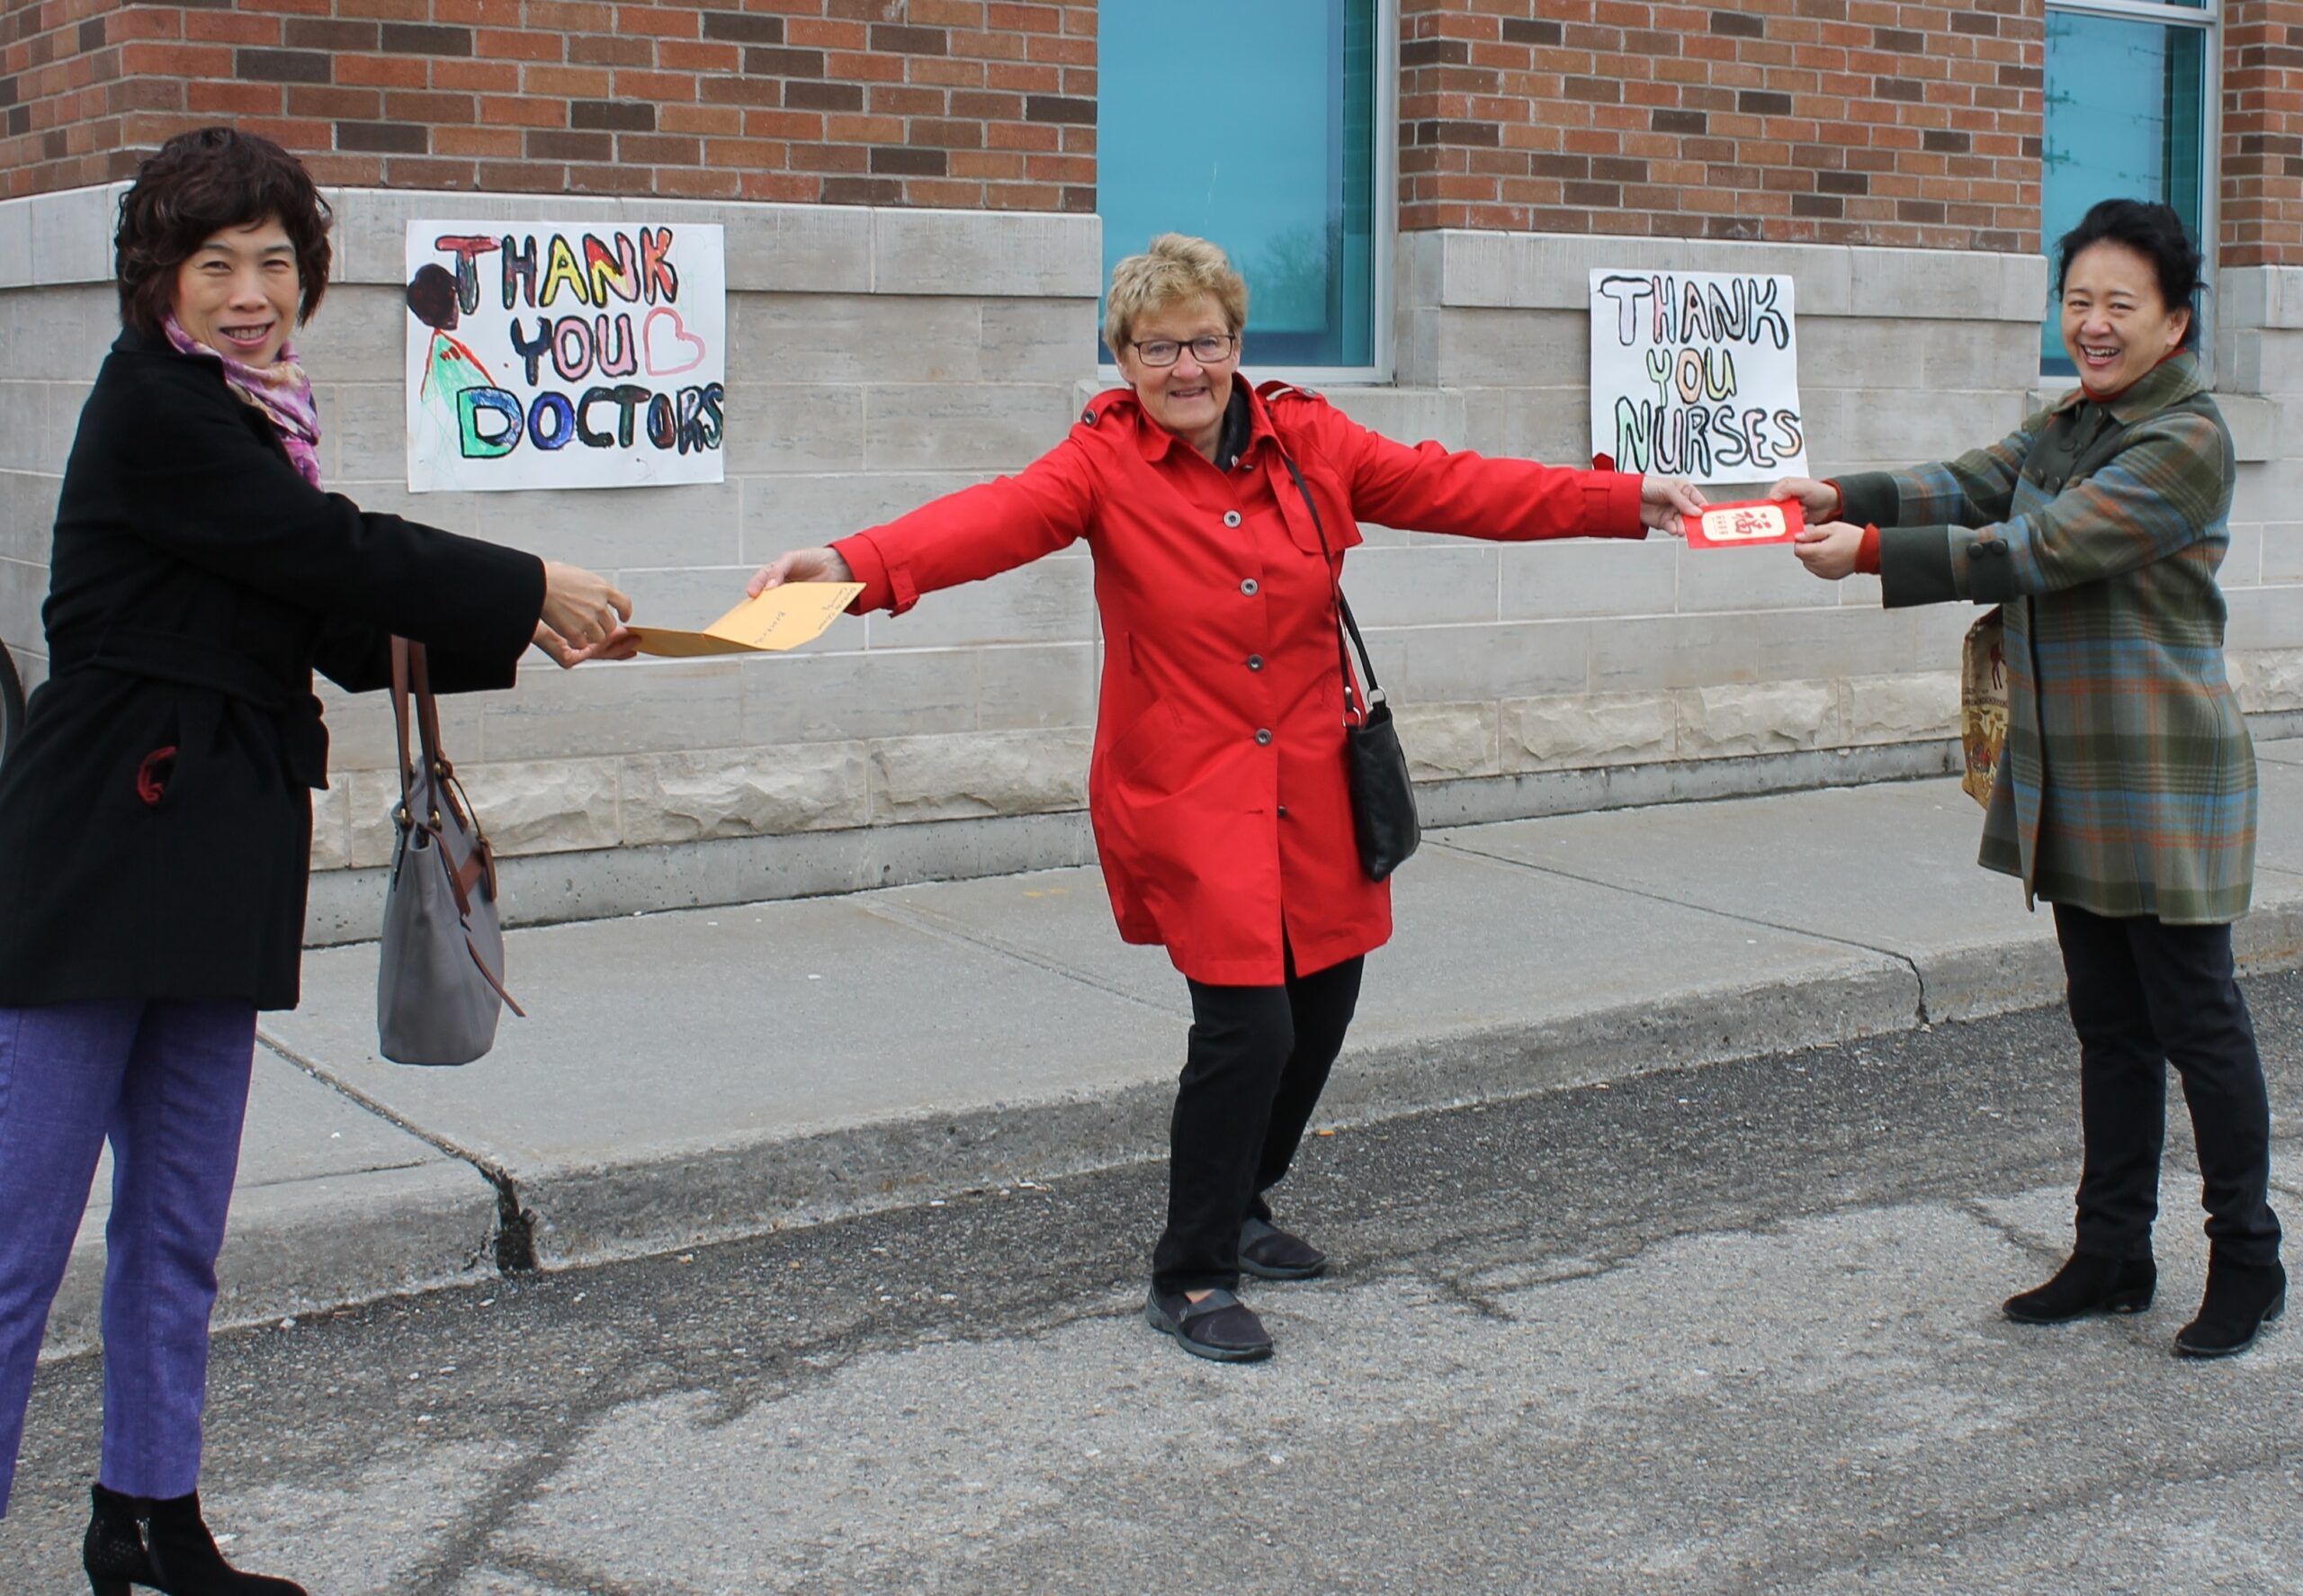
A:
[439,986]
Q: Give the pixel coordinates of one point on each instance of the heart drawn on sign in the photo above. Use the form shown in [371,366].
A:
[675,349]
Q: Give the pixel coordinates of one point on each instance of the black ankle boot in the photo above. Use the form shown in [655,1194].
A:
[2241,1299]
[2088,1282]
[137,1540]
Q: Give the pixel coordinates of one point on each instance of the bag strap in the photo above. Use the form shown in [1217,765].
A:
[1351,701]
[402,669]
[411,691]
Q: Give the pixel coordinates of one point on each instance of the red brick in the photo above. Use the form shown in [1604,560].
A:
[493,143]
[593,50]
[394,72]
[233,99]
[519,45]
[519,110]
[334,104]
[698,182]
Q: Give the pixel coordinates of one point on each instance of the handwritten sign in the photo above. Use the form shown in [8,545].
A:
[781,618]
[1696,374]
[1741,525]
[565,355]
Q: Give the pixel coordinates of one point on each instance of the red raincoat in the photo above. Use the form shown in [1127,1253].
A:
[1217,788]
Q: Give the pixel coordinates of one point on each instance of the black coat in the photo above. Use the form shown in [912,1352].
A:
[197,581]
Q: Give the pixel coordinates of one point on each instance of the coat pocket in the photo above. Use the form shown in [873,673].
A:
[1149,755]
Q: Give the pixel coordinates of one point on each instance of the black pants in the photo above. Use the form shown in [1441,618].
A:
[2144,996]
[1257,1061]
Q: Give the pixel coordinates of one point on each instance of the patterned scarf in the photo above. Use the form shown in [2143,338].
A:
[281,391]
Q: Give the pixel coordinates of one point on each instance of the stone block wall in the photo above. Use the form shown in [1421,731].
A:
[2259,351]
[1578,656]
[879,357]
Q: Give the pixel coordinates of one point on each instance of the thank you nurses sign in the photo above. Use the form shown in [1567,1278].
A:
[565,355]
[1697,374]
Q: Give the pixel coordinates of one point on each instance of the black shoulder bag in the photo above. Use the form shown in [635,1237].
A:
[1382,798]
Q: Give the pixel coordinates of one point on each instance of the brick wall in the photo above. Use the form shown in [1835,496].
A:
[1856,122]
[2262,132]
[966,103]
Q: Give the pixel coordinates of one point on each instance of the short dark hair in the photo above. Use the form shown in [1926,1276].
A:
[198,184]
[2153,231]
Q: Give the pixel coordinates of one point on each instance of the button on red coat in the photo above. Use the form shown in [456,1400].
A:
[1194,765]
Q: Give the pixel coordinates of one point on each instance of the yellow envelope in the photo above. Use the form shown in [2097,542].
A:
[780,618]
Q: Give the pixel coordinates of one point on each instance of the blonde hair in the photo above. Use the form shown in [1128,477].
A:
[1176,268]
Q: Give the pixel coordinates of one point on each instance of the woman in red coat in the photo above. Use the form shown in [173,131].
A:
[1217,789]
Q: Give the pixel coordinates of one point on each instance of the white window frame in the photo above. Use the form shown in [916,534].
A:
[2208,19]
[1383,228]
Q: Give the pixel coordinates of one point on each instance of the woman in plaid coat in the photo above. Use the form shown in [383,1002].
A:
[2126,794]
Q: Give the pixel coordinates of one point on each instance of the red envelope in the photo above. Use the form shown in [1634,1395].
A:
[1738,525]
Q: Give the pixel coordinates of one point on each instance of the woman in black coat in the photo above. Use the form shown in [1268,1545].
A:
[155,821]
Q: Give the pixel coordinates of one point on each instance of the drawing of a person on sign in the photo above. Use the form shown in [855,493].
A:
[565,356]
[449,367]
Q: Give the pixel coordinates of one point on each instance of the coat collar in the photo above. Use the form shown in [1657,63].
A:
[2170,382]
[132,342]
[1155,442]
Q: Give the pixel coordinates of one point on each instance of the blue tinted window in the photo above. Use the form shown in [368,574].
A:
[1251,124]
[2126,113]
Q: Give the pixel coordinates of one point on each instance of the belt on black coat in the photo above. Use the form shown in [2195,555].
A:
[195,662]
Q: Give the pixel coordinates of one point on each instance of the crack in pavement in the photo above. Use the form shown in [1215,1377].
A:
[564,1574]
[513,1246]
[928,923]
[1508,861]
[1900,1535]
[1975,1209]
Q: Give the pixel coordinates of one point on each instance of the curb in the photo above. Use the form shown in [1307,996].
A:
[581,1216]
[446,1224]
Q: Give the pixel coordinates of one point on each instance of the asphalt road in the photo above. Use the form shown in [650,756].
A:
[1720,1330]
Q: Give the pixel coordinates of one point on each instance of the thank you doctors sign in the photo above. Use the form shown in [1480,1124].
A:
[571,355]
[1697,374]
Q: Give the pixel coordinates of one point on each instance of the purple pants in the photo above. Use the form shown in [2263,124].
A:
[168,1083]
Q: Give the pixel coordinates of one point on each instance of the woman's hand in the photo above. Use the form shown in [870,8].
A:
[621,644]
[1663,500]
[1818,501]
[582,608]
[1828,550]
[801,565]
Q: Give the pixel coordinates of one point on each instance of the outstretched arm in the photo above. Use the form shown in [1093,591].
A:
[1432,489]
[2156,497]
[963,537]
[1976,489]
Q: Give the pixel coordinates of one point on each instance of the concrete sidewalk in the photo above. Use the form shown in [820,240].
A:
[714,1072]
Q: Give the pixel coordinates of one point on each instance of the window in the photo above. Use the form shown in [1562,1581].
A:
[1266,127]
[2128,116]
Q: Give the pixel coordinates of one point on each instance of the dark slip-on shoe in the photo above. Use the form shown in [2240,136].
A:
[1270,1252]
[1218,1326]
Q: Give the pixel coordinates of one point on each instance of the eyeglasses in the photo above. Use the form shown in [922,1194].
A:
[1163,352]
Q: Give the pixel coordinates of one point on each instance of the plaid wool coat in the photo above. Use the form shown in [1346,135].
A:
[2127,784]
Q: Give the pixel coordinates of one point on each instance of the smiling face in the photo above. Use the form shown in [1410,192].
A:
[1189,397]
[2116,326]
[238,291]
